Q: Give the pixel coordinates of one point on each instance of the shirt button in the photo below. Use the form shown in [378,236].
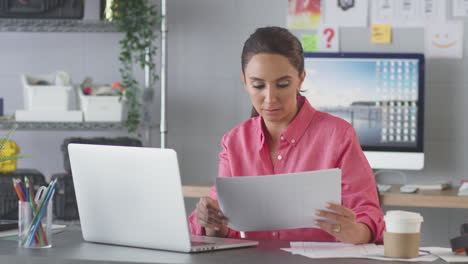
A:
[282,138]
[293,141]
[280,157]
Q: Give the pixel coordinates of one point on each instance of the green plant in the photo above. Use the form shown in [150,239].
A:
[3,142]
[138,19]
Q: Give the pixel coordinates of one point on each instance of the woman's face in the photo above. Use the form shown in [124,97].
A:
[273,83]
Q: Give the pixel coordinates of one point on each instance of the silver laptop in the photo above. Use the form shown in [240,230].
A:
[132,196]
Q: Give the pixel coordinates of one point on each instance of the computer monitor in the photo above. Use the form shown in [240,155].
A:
[380,94]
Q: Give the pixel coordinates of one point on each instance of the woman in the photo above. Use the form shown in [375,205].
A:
[288,135]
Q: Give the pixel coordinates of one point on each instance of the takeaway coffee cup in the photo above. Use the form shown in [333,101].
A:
[403,234]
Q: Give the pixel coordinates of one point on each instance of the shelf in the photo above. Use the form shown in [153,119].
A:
[55,25]
[6,124]
[437,199]
[447,198]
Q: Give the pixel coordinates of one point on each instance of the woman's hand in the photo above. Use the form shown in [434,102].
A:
[346,228]
[211,218]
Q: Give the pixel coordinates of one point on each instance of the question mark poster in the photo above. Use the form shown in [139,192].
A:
[328,39]
[304,14]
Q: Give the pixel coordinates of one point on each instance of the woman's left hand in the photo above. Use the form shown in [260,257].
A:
[346,228]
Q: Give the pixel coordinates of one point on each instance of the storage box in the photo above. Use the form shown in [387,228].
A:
[48,96]
[100,108]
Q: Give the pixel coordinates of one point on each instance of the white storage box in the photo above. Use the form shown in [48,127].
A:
[48,96]
[100,108]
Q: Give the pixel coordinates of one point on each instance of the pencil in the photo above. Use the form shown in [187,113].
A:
[20,196]
[42,239]
[40,212]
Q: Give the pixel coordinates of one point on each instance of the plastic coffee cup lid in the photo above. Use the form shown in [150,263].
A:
[399,215]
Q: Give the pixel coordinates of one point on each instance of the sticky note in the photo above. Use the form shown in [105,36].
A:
[381,33]
[309,42]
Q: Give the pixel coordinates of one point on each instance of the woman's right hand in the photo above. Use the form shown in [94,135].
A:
[210,217]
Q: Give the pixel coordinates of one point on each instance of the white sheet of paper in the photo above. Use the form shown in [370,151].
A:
[446,254]
[318,250]
[276,202]
[444,40]
[345,13]
[328,38]
[460,7]
[408,13]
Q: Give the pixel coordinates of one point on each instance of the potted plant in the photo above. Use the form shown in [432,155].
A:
[10,154]
[138,20]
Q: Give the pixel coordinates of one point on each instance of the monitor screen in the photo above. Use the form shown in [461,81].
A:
[381,95]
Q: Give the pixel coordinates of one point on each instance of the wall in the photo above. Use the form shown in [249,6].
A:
[206,97]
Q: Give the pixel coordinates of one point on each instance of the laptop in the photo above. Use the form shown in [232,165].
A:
[132,196]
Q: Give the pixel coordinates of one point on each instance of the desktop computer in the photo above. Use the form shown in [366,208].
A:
[380,94]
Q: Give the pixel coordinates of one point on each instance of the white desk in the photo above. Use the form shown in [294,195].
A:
[69,247]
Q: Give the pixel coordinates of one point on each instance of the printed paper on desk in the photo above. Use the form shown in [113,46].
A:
[276,202]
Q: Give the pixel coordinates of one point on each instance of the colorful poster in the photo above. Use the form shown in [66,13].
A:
[345,13]
[309,42]
[444,40]
[304,14]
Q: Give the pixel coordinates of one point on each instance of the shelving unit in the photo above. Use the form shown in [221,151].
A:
[55,25]
[6,124]
[145,128]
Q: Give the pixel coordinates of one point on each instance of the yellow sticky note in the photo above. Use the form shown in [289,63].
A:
[381,33]
[309,42]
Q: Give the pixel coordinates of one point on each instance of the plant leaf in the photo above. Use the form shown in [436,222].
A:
[13,157]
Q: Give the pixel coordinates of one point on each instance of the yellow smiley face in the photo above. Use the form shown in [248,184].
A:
[443,40]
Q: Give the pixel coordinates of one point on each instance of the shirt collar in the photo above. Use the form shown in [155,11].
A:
[295,129]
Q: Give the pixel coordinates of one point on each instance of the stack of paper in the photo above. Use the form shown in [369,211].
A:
[446,254]
[342,250]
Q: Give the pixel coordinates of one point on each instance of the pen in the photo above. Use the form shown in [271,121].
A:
[29,191]
[41,211]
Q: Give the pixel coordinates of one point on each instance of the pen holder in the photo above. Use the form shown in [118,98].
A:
[34,225]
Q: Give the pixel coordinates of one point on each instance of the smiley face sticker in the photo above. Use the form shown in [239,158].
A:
[444,40]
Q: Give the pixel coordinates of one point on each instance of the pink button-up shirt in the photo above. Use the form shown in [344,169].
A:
[312,141]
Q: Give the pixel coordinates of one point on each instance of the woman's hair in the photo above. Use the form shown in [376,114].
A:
[273,40]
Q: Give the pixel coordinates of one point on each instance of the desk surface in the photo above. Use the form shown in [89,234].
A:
[442,199]
[69,247]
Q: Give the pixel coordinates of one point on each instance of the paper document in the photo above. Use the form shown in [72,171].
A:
[276,202]
[446,254]
[318,250]
[407,13]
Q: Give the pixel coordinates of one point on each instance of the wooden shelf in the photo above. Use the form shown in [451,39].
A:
[439,199]
[447,198]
